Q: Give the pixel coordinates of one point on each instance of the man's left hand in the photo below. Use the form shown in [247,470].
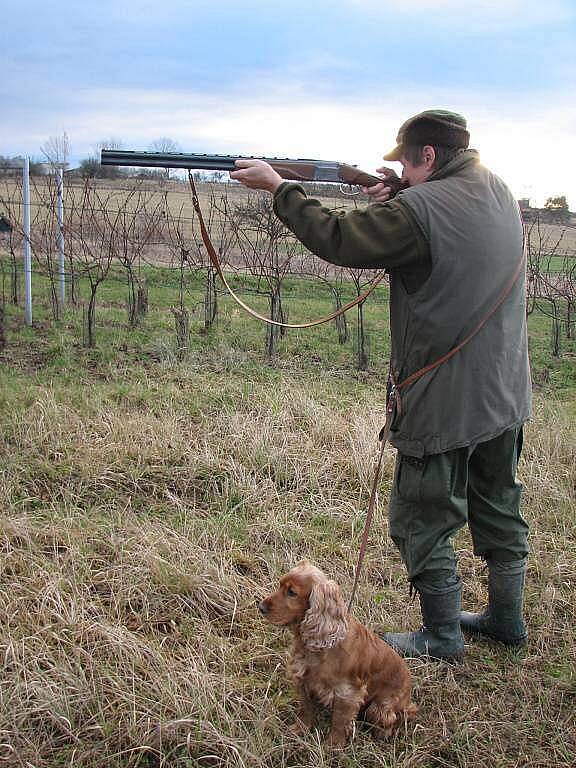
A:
[256,174]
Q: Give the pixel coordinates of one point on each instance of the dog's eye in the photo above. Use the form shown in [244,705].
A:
[291,593]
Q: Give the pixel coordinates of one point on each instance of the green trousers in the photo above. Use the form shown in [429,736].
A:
[433,497]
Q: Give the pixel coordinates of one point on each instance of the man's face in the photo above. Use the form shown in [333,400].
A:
[417,174]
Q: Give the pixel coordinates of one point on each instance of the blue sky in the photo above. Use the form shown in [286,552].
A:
[331,78]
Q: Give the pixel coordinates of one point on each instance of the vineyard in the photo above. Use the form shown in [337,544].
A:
[143,235]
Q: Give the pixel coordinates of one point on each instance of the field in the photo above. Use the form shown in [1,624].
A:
[150,499]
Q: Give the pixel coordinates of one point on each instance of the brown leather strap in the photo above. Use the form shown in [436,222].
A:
[418,374]
[384,435]
[218,267]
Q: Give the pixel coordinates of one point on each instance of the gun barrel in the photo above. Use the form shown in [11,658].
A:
[288,168]
[167,160]
[185,160]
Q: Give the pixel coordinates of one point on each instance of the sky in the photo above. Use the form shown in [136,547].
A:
[330,79]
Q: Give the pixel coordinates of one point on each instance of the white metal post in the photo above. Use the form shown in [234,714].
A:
[60,208]
[27,249]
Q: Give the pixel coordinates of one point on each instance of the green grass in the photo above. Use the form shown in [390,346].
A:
[235,332]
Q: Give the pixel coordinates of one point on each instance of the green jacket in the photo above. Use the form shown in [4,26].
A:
[450,245]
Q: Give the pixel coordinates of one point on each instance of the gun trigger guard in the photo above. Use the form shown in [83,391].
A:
[350,190]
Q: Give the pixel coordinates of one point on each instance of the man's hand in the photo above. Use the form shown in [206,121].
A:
[387,189]
[257,174]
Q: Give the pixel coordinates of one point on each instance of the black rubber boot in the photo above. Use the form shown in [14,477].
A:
[440,636]
[502,620]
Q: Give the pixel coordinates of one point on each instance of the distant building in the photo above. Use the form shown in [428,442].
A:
[12,166]
[545,215]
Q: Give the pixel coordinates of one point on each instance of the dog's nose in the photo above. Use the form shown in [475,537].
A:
[263,607]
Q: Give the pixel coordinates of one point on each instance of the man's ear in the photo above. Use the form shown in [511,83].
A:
[428,156]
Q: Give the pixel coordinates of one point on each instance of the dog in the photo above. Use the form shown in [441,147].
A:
[335,660]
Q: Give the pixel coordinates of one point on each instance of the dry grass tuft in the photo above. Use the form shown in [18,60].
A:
[136,541]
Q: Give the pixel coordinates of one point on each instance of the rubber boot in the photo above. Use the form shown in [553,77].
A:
[440,636]
[502,619]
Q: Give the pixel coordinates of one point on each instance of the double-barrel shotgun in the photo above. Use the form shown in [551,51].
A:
[291,170]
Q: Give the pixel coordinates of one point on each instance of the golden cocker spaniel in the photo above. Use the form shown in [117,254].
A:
[335,660]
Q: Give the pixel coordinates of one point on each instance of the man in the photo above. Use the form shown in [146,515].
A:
[452,241]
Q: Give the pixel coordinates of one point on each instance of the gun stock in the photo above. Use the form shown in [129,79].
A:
[289,169]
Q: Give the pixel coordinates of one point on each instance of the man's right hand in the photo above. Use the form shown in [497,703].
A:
[387,189]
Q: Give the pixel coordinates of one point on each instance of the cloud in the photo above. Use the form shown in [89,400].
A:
[530,149]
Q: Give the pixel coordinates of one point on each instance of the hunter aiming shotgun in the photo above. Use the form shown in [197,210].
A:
[291,170]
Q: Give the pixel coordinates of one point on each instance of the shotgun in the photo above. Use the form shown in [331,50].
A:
[291,170]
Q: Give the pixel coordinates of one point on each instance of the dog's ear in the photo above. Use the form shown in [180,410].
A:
[325,623]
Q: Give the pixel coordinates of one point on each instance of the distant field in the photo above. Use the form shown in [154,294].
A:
[556,236]
[141,200]
[554,242]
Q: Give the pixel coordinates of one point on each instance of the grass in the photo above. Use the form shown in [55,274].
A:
[147,503]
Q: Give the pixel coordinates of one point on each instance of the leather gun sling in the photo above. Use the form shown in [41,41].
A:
[218,267]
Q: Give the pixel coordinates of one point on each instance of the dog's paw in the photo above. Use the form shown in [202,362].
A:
[336,741]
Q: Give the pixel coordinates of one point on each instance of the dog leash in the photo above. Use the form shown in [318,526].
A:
[394,408]
[218,267]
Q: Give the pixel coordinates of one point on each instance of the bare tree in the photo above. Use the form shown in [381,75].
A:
[139,221]
[94,243]
[110,143]
[334,279]
[359,280]
[222,232]
[10,239]
[103,171]
[56,150]
[44,228]
[267,249]
[185,256]
[165,144]
[551,280]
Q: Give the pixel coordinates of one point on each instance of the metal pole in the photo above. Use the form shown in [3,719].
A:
[60,185]
[27,249]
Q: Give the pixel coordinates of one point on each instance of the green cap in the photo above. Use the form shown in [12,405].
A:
[437,127]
